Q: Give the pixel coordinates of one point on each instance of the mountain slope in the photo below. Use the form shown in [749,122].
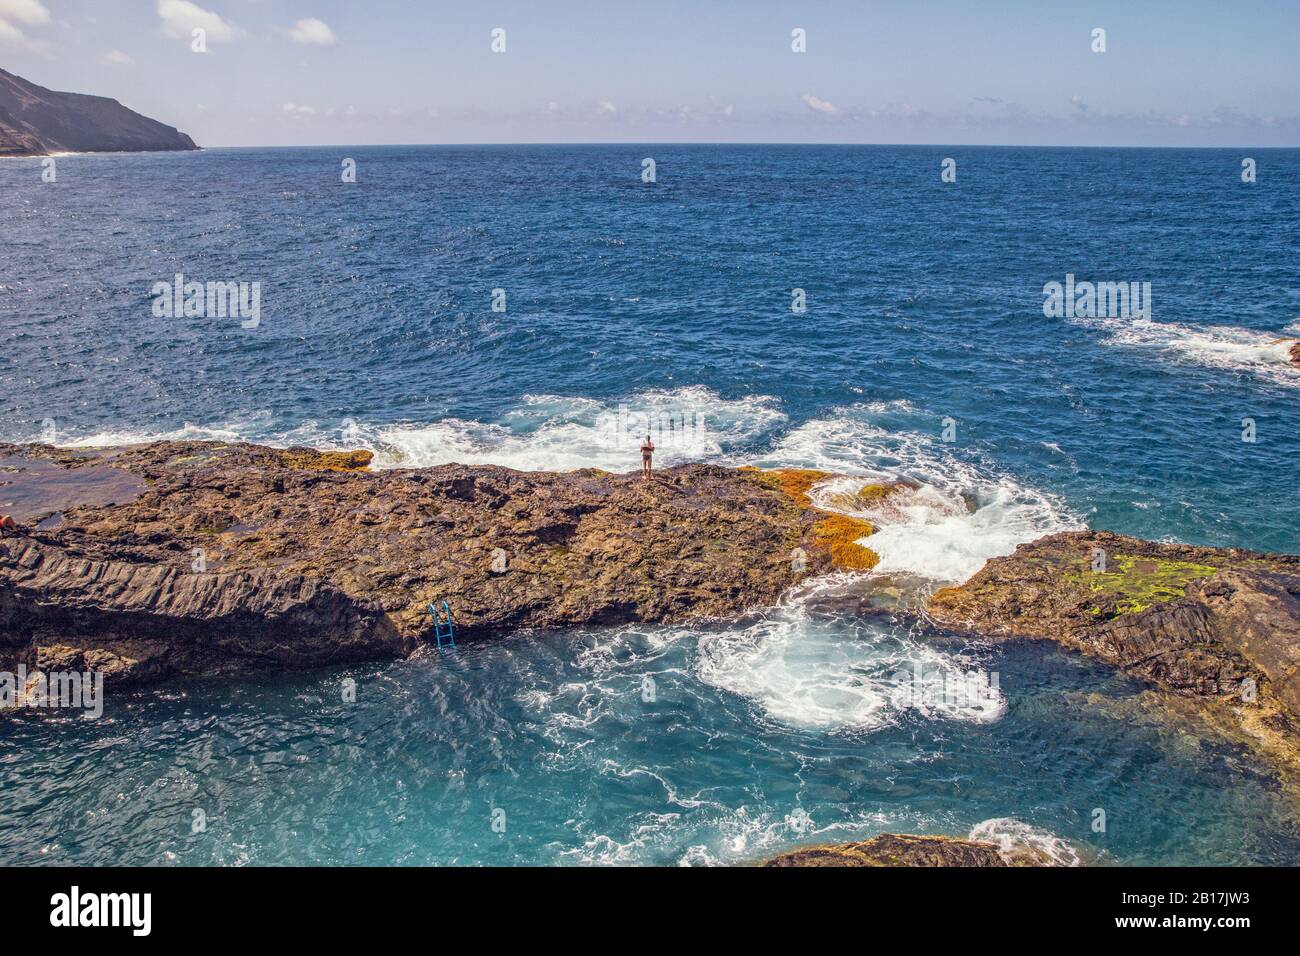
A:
[35,121]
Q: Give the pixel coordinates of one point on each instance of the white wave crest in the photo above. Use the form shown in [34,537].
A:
[555,433]
[955,515]
[542,433]
[1215,346]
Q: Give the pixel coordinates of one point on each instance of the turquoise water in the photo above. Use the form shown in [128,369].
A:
[630,304]
[554,730]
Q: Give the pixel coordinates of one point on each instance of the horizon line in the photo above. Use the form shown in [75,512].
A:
[649,142]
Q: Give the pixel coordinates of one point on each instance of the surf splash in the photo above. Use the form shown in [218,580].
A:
[558,433]
[842,673]
[1017,840]
[952,514]
[1224,347]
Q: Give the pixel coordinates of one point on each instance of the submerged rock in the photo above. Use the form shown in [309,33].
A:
[891,849]
[216,559]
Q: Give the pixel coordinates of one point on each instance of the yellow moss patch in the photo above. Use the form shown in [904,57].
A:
[839,534]
[948,595]
[1137,583]
[311,460]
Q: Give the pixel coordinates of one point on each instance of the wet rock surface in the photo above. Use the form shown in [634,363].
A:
[891,849]
[1219,624]
[217,559]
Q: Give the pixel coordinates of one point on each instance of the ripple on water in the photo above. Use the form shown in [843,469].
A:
[591,763]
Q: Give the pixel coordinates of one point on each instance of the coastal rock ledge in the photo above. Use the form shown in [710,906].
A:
[893,849]
[212,559]
[1220,625]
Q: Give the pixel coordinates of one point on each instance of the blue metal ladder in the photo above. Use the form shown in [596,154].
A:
[442,626]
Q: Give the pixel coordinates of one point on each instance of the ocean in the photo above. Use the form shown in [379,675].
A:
[534,306]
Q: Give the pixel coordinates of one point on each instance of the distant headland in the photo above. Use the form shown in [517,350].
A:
[35,121]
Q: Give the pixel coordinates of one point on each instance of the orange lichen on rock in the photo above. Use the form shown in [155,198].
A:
[794,482]
[839,534]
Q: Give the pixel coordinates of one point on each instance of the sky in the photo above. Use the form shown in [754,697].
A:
[352,72]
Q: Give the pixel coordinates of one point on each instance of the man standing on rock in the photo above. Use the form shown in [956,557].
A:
[647,452]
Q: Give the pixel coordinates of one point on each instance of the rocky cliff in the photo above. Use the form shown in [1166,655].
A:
[35,121]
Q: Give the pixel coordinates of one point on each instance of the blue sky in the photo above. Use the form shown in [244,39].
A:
[297,72]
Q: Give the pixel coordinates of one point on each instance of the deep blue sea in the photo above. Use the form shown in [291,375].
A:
[923,351]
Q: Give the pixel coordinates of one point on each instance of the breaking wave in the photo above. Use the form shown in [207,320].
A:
[955,512]
[555,433]
[542,433]
[1215,346]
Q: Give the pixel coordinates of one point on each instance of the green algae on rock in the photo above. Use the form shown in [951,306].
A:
[1219,624]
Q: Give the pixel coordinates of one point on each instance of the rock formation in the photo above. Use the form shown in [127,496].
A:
[1218,624]
[214,559]
[890,849]
[35,121]
[210,559]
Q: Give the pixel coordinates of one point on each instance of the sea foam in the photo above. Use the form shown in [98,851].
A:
[959,512]
[1229,348]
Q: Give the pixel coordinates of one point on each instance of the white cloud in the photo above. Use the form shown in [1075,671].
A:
[180,17]
[29,12]
[312,31]
[606,108]
[118,58]
[297,109]
[820,105]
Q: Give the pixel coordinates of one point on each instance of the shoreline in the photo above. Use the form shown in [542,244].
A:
[214,559]
[99,152]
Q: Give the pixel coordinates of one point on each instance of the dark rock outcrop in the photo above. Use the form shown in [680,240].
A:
[1295,353]
[214,559]
[890,849]
[1218,624]
[35,121]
